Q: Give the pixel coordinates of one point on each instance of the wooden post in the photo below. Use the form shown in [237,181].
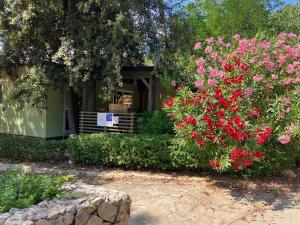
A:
[84,97]
[131,122]
[150,94]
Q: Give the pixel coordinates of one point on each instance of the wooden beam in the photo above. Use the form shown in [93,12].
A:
[145,82]
[150,94]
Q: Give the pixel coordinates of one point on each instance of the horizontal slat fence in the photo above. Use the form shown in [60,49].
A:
[127,123]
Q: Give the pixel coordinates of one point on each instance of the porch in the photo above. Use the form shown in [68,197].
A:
[141,91]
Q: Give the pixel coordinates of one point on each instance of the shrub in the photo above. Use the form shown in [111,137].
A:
[25,149]
[155,122]
[124,150]
[241,104]
[20,190]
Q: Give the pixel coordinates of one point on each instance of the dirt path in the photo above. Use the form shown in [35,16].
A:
[184,202]
[178,199]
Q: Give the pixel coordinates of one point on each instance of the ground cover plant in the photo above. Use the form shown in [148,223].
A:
[31,150]
[20,190]
[241,106]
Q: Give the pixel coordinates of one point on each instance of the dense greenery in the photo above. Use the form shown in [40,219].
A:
[25,149]
[155,122]
[72,43]
[20,190]
[127,151]
[143,151]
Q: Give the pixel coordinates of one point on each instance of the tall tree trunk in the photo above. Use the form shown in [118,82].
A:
[71,110]
[91,107]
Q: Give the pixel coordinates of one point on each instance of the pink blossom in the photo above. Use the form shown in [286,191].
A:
[281,116]
[282,36]
[286,101]
[213,72]
[284,139]
[249,91]
[258,78]
[212,82]
[173,83]
[197,46]
[237,37]
[279,43]
[221,74]
[210,40]
[199,84]
[200,62]
[274,77]
[228,45]
[293,53]
[208,49]
[292,36]
[242,45]
[214,55]
[220,41]
[253,60]
[266,45]
[290,68]
[281,60]
[288,109]
[201,70]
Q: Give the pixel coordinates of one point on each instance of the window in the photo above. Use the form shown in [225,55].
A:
[1,94]
[123,97]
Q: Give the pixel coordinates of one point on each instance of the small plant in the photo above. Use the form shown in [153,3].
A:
[20,190]
[155,122]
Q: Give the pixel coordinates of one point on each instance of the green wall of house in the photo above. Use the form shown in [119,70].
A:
[55,114]
[30,121]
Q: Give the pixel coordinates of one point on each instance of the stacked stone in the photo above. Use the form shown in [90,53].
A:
[111,208]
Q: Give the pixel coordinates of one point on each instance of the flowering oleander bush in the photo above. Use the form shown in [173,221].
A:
[242,102]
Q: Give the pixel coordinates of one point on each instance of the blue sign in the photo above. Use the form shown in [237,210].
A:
[109,117]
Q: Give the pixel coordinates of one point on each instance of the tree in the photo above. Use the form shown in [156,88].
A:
[73,43]
[286,19]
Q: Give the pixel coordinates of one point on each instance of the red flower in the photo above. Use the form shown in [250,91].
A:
[257,154]
[201,143]
[247,162]
[170,102]
[255,113]
[214,164]
[193,134]
[220,114]
[237,120]
[228,67]
[190,120]
[235,165]
[263,135]
[180,125]
[220,123]
[244,67]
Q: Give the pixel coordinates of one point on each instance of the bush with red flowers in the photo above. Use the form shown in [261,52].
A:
[242,103]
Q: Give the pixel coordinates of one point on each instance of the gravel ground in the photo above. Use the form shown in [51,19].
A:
[190,199]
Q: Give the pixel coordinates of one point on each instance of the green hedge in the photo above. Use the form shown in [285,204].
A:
[128,151]
[156,152]
[139,151]
[25,149]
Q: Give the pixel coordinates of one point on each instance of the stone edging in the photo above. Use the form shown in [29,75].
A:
[107,208]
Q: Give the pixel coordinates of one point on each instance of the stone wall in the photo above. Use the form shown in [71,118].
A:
[107,208]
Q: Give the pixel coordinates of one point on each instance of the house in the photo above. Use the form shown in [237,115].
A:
[141,91]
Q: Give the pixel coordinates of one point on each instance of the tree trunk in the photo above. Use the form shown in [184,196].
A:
[71,110]
[91,107]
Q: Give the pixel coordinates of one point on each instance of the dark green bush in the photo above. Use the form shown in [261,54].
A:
[20,190]
[25,149]
[155,122]
[128,151]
